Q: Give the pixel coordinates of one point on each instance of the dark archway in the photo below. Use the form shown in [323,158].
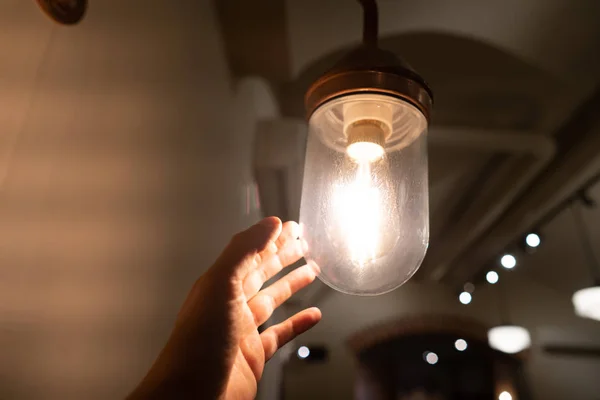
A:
[418,358]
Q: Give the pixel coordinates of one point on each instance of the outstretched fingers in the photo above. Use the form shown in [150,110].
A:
[288,250]
[244,251]
[267,300]
[278,335]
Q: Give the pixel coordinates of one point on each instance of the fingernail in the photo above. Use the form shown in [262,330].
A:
[317,311]
[269,226]
[269,222]
[295,230]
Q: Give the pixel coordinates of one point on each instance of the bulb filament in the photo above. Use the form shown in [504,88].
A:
[359,214]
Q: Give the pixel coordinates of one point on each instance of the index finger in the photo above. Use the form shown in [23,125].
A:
[243,253]
[289,250]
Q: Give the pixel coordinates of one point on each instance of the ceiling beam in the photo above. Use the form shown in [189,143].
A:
[578,141]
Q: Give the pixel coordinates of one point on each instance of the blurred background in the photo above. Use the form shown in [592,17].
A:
[134,143]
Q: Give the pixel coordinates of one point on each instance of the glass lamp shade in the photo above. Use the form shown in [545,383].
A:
[587,302]
[364,211]
[509,339]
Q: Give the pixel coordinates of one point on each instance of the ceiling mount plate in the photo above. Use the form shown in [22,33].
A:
[65,12]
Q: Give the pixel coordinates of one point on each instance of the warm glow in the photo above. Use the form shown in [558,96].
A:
[492,277]
[587,303]
[460,345]
[365,151]
[505,396]
[303,352]
[358,208]
[508,261]
[364,208]
[509,339]
[465,298]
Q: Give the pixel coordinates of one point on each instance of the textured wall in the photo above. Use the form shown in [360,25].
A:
[130,169]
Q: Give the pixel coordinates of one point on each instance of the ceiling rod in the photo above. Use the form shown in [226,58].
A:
[370,22]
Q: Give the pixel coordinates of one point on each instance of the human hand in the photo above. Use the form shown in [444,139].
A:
[215,350]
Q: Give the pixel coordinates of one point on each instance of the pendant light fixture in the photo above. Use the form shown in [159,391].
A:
[587,301]
[507,337]
[364,209]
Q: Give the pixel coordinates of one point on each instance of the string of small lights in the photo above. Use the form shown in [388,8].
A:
[527,243]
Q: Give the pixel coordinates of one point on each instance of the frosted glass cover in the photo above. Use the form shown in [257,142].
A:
[366,220]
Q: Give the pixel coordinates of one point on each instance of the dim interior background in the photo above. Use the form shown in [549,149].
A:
[133,144]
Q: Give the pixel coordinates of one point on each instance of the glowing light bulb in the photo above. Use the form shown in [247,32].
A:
[361,206]
[587,302]
[465,298]
[364,210]
[365,152]
[492,277]
[460,345]
[431,357]
[505,396]
[358,210]
[533,240]
[303,352]
[509,339]
[508,261]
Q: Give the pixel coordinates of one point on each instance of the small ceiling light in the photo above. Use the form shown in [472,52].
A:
[509,339]
[505,396]
[465,298]
[460,345]
[533,240]
[508,261]
[469,287]
[431,357]
[364,206]
[587,301]
[492,277]
[303,352]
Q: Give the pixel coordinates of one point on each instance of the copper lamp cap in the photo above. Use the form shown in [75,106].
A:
[369,69]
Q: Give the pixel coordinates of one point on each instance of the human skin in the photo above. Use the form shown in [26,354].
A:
[215,350]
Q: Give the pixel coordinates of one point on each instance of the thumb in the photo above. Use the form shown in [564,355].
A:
[239,257]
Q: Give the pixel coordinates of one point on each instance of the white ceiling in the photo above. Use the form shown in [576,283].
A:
[556,35]
[561,263]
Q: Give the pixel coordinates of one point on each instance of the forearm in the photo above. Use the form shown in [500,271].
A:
[195,362]
[163,382]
